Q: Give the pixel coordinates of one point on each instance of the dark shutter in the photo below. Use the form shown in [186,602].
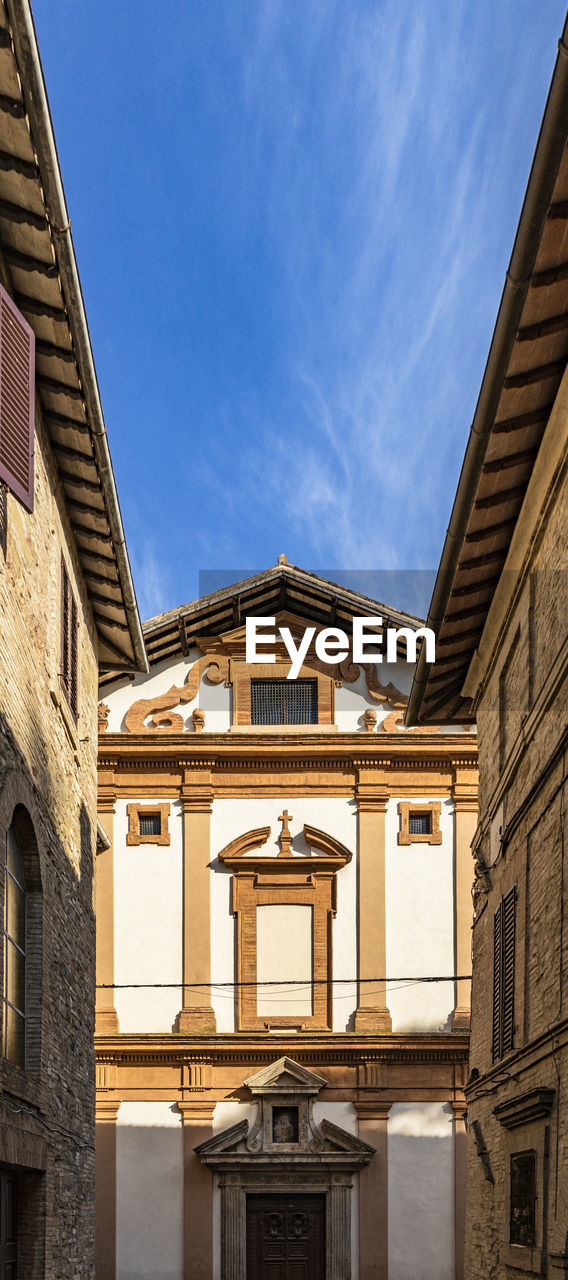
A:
[497,980]
[69,659]
[17,397]
[508,971]
[504,976]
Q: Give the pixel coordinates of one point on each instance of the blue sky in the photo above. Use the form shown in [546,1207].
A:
[292,220]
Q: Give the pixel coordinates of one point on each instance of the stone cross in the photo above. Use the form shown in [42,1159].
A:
[285,838]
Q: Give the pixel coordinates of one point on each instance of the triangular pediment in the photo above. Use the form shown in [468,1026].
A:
[285,1076]
[229,1140]
[338,1139]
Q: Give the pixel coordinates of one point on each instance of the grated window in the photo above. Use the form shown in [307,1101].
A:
[523,1199]
[284,701]
[420,824]
[150,824]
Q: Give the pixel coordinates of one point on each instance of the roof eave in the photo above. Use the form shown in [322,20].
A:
[548,154]
[37,106]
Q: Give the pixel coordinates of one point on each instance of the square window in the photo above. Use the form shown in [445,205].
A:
[420,824]
[150,824]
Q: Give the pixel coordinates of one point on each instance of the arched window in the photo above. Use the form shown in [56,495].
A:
[14,1002]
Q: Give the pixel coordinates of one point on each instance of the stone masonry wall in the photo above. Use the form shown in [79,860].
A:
[524,791]
[48,764]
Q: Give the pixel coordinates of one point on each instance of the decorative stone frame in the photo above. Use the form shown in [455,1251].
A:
[523,1117]
[242,674]
[295,880]
[406,808]
[323,1161]
[137,811]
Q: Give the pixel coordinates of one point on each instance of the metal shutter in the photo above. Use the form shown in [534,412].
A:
[17,397]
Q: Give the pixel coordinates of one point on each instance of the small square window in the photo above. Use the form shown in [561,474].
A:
[150,824]
[523,1199]
[420,824]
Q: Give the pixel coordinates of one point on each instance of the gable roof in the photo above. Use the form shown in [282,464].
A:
[282,588]
[39,259]
[525,366]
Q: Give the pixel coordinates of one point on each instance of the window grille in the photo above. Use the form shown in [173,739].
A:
[504,975]
[523,1199]
[150,824]
[284,701]
[14,1028]
[420,824]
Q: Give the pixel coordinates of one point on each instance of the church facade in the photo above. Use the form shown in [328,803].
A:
[284,925]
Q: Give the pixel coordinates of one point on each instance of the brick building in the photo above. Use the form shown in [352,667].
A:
[267,1103]
[500,610]
[67,607]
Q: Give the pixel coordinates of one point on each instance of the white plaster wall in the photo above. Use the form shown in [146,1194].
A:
[419,920]
[421,1191]
[149,1153]
[214,700]
[148,900]
[229,819]
[352,700]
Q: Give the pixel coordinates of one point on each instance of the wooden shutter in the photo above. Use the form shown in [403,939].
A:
[17,401]
[508,971]
[504,976]
[497,980]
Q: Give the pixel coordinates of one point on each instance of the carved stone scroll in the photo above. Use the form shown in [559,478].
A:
[160,708]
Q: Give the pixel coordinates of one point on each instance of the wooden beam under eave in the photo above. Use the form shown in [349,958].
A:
[509,460]
[479,535]
[554,369]
[554,324]
[533,418]
[500,497]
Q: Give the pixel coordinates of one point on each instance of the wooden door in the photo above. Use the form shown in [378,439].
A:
[286,1237]
[8,1244]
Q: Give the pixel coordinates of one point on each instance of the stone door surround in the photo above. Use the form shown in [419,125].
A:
[276,1156]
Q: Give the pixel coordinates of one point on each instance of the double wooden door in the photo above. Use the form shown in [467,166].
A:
[285,1237]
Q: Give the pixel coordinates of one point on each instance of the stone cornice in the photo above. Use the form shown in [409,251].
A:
[129,763]
[242,1048]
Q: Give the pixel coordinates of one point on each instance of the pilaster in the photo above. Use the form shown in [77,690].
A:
[464,795]
[460,1162]
[197,1118]
[105,1187]
[233,1229]
[373,1191]
[372,1015]
[106,1019]
[196,1013]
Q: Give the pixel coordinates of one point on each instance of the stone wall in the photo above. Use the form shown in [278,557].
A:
[48,765]
[523,759]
